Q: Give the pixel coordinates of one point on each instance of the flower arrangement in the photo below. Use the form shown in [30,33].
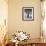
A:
[21,36]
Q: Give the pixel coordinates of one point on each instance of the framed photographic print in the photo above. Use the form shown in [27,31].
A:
[27,13]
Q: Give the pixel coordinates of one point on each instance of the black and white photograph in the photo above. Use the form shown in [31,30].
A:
[28,13]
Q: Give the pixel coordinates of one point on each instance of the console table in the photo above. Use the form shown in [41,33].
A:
[34,42]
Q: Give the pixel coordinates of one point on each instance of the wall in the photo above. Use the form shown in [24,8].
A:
[15,17]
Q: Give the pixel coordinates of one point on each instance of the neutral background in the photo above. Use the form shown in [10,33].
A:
[15,22]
